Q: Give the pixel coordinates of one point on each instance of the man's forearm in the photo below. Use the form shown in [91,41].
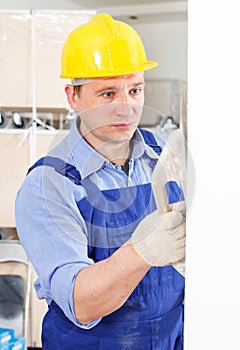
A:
[103,287]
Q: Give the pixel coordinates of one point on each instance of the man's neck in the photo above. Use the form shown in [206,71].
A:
[116,153]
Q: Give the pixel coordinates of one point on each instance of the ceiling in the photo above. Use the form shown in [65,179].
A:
[130,11]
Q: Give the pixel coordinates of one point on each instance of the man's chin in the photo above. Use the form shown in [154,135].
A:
[123,136]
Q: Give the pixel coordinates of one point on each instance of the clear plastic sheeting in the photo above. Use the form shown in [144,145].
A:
[51,32]
[165,105]
[16,59]
[12,302]
[31,90]
[171,167]
[169,179]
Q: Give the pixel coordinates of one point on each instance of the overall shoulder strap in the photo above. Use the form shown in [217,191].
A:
[150,140]
[60,166]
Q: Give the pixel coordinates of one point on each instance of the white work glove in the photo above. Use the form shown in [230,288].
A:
[160,239]
[180,265]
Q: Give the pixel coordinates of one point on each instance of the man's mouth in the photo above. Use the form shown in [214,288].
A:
[123,126]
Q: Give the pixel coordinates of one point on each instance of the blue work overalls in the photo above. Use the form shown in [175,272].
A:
[152,317]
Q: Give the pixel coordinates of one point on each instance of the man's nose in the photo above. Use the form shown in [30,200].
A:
[124,105]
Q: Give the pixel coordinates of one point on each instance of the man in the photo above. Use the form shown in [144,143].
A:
[86,214]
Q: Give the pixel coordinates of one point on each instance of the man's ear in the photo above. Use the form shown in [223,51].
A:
[71,96]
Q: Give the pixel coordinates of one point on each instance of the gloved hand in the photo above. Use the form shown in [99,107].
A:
[160,239]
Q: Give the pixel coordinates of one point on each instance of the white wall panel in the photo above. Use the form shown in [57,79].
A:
[165,43]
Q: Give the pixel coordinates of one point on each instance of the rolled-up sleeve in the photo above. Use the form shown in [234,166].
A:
[53,234]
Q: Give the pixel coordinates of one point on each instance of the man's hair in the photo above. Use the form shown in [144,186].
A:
[77,89]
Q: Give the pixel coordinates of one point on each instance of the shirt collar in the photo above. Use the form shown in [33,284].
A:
[89,161]
[140,147]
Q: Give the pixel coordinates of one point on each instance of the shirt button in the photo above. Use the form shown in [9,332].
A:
[152,164]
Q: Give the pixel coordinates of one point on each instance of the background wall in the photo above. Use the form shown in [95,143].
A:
[167,44]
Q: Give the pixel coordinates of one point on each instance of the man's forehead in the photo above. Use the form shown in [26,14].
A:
[131,79]
[125,76]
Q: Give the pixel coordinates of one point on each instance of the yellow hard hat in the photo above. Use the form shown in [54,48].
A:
[103,47]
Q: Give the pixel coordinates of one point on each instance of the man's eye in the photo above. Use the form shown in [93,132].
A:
[135,91]
[108,94]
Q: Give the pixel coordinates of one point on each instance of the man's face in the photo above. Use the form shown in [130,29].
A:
[110,108]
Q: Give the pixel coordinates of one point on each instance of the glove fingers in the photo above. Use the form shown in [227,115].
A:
[179,232]
[179,255]
[179,206]
[181,244]
[172,220]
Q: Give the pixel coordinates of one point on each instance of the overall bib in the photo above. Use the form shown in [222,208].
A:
[152,317]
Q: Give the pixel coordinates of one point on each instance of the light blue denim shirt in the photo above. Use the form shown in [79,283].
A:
[48,220]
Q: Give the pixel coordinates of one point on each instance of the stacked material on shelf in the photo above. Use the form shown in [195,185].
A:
[8,341]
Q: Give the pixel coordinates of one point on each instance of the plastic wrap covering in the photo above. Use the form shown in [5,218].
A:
[15,59]
[165,105]
[26,87]
[37,36]
[171,167]
[169,179]
[12,302]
